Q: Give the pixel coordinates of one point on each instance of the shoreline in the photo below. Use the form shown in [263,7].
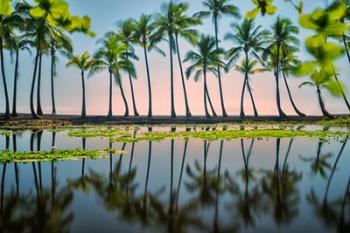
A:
[162,120]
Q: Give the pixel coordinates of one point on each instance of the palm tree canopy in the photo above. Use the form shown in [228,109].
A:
[263,7]
[146,33]
[218,8]
[327,22]
[249,67]
[111,56]
[83,62]
[247,38]
[206,58]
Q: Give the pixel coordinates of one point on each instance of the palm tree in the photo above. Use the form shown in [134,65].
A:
[146,36]
[323,22]
[84,62]
[16,44]
[289,62]
[206,59]
[283,35]
[248,67]
[111,57]
[8,19]
[184,28]
[59,43]
[126,33]
[216,9]
[166,25]
[321,69]
[247,39]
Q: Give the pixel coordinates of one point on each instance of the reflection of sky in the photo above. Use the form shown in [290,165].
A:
[91,214]
[105,14]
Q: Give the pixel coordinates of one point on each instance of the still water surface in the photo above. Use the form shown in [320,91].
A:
[179,186]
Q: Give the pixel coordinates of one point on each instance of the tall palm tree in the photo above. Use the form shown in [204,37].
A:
[17,44]
[8,18]
[126,33]
[63,44]
[184,28]
[249,40]
[206,59]
[147,37]
[166,25]
[263,7]
[282,35]
[84,62]
[217,9]
[111,57]
[248,67]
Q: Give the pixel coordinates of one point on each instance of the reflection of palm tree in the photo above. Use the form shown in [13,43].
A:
[333,171]
[280,188]
[320,164]
[202,180]
[14,142]
[247,203]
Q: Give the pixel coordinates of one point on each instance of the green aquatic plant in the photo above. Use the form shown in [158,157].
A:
[120,135]
[54,155]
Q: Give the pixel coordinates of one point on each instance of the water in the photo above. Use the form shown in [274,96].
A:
[270,185]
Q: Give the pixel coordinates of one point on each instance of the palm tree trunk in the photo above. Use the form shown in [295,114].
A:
[149,84]
[224,114]
[126,114]
[291,98]
[32,109]
[7,103]
[242,114]
[172,100]
[188,111]
[278,95]
[38,90]
[322,105]
[210,103]
[171,200]
[252,98]
[342,91]
[110,114]
[83,110]
[205,95]
[53,61]
[14,100]
[346,48]
[132,93]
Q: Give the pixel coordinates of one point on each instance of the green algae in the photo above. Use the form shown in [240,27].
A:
[121,135]
[55,155]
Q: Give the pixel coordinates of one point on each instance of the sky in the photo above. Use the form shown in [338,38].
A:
[106,13]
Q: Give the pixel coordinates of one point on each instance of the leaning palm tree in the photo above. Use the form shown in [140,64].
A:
[166,26]
[184,28]
[283,35]
[84,62]
[147,37]
[249,40]
[206,59]
[248,67]
[289,61]
[126,33]
[216,9]
[111,57]
[17,44]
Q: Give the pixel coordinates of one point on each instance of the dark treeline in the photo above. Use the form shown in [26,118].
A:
[44,27]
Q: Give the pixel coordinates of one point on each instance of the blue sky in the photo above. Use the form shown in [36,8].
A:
[106,13]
